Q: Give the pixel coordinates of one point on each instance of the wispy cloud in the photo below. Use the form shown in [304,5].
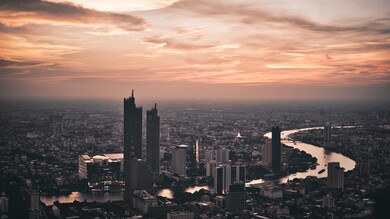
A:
[21,12]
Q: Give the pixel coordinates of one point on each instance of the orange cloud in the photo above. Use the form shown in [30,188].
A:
[21,12]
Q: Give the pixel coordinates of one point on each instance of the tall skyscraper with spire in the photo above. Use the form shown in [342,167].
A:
[276,149]
[153,140]
[132,132]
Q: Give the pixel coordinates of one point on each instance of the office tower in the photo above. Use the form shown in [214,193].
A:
[238,173]
[210,166]
[328,202]
[222,155]
[143,201]
[33,199]
[266,153]
[335,176]
[153,140]
[179,160]
[209,155]
[365,169]
[3,204]
[197,150]
[236,198]
[327,133]
[132,132]
[276,149]
[222,178]
[141,178]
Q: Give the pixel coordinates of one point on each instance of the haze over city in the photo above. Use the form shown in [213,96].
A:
[195,49]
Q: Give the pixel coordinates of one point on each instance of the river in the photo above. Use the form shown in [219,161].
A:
[323,157]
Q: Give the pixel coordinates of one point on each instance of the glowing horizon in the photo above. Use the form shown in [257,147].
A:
[219,49]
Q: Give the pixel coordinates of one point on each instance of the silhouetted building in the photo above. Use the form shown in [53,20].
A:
[3,204]
[143,201]
[222,178]
[328,202]
[153,140]
[236,198]
[276,149]
[365,169]
[335,176]
[266,153]
[327,133]
[141,178]
[132,132]
[179,160]
[238,173]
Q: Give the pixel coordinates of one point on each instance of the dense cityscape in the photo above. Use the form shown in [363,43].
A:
[194,160]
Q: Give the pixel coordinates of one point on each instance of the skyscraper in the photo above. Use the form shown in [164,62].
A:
[235,199]
[197,150]
[276,149]
[238,173]
[335,176]
[222,155]
[179,160]
[266,153]
[132,132]
[153,140]
[222,178]
[327,133]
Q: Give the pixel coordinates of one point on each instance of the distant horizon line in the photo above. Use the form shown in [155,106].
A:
[151,101]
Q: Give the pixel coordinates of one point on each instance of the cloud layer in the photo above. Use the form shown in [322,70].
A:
[253,48]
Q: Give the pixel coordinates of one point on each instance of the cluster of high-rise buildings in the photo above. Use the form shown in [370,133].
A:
[272,151]
[138,172]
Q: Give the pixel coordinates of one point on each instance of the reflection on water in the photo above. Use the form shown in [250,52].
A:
[78,196]
[169,192]
[323,157]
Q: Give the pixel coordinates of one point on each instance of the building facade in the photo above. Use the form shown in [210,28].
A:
[335,176]
[153,140]
[276,149]
[179,160]
[132,133]
[266,153]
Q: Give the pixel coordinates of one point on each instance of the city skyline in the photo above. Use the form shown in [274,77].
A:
[211,50]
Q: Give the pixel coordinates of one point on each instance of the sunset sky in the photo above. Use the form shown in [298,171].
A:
[195,49]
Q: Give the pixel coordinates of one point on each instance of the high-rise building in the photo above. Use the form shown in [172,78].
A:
[327,133]
[209,155]
[3,204]
[238,173]
[266,153]
[101,169]
[153,140]
[276,149]
[222,178]
[132,132]
[222,155]
[179,160]
[141,178]
[197,150]
[328,202]
[236,198]
[365,169]
[335,176]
